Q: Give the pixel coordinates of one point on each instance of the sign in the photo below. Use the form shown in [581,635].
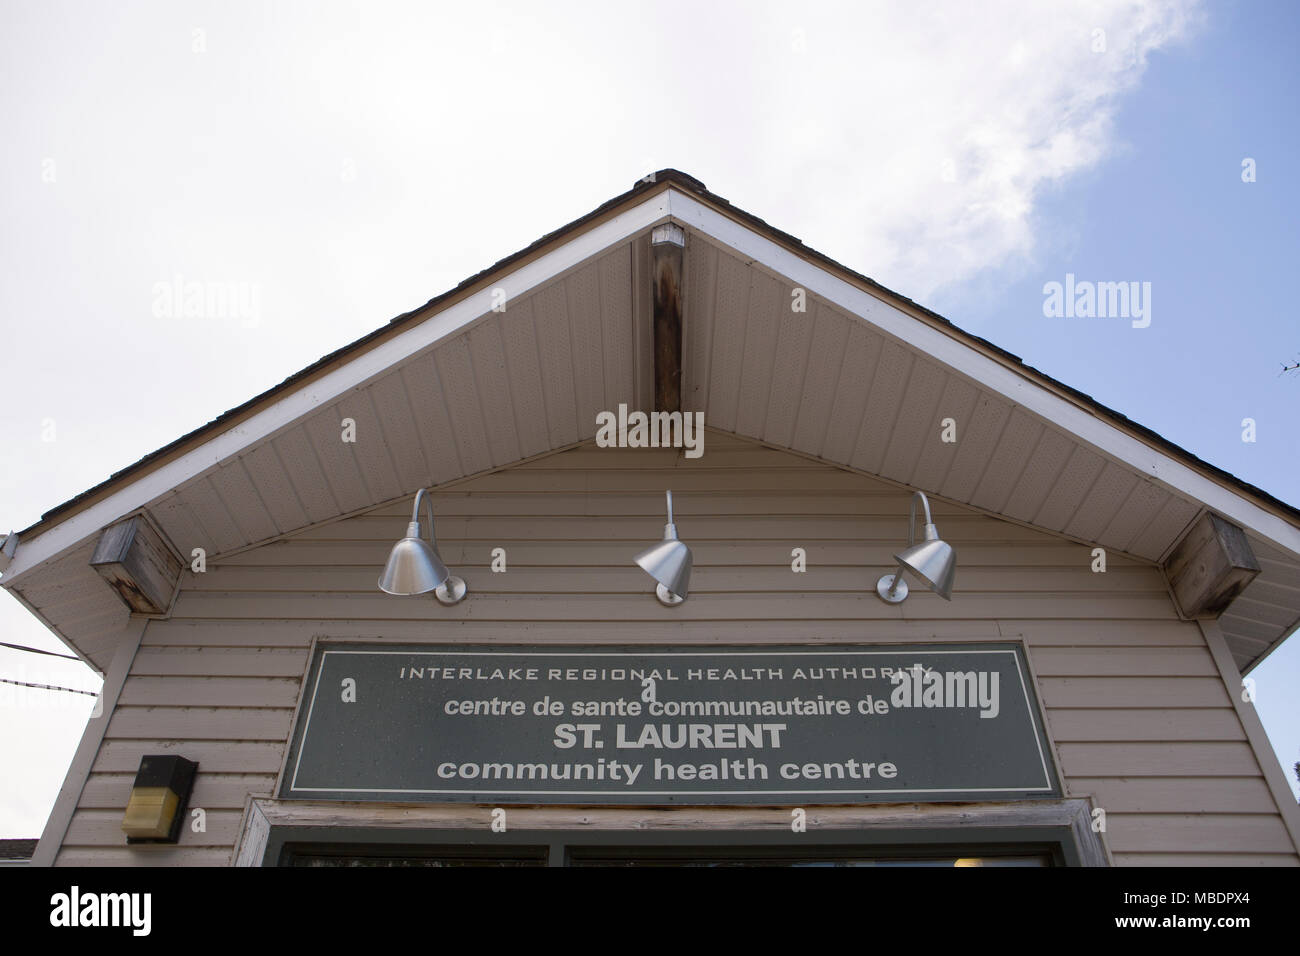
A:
[668,725]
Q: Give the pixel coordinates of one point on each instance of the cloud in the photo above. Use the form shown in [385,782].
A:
[912,140]
[351,161]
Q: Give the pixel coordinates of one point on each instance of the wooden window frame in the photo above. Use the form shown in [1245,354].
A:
[1061,827]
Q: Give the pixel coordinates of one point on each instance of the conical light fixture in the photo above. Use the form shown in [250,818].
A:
[669,563]
[933,560]
[414,566]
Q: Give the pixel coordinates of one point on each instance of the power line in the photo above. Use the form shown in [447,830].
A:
[37,650]
[70,690]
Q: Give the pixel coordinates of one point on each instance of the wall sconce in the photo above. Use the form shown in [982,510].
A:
[669,563]
[933,561]
[414,566]
[159,798]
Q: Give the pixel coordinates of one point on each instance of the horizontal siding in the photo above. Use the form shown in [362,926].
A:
[98,827]
[209,692]
[201,723]
[1133,692]
[704,580]
[623,608]
[592,554]
[219,662]
[957,529]
[1218,758]
[73,855]
[1206,859]
[212,756]
[1158,832]
[1177,794]
[1139,715]
[1174,723]
[299,633]
[212,791]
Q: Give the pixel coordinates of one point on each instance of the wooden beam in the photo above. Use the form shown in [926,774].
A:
[135,560]
[1209,567]
[667,243]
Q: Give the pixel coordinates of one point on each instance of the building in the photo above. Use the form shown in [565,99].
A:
[1079,700]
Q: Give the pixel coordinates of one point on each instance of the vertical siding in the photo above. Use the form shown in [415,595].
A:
[1139,715]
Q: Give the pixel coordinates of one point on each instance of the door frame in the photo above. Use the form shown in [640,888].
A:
[1064,827]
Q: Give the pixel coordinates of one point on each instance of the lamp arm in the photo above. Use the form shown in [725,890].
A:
[911,517]
[670,506]
[415,513]
[911,533]
[898,576]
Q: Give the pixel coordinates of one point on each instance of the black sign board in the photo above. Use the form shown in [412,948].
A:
[669,725]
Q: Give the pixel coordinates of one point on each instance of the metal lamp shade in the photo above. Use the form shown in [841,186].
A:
[933,561]
[413,566]
[668,562]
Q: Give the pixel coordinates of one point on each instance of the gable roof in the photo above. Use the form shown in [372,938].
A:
[575,340]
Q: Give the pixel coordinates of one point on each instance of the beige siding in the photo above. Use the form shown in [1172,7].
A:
[1139,715]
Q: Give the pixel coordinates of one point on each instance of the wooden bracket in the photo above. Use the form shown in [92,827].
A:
[135,559]
[1209,567]
[667,244]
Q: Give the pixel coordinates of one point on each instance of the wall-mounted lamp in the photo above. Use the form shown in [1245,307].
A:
[933,560]
[414,566]
[158,800]
[669,563]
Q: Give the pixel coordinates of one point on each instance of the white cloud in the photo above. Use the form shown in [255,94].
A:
[911,140]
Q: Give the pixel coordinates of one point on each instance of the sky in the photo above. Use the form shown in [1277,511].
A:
[341,163]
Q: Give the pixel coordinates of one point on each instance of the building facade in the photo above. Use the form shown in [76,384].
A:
[1127,585]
